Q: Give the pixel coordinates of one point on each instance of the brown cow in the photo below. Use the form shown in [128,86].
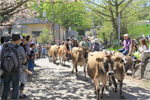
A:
[62,52]
[54,52]
[49,55]
[100,66]
[119,73]
[128,62]
[78,59]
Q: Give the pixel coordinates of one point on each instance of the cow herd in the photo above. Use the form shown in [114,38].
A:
[102,67]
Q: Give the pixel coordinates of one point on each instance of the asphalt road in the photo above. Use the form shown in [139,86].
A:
[53,81]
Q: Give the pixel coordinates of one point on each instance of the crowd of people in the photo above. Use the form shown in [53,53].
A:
[17,63]
[139,51]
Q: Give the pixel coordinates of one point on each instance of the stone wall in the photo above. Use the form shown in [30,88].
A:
[143,71]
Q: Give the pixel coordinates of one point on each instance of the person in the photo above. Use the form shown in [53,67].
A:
[23,71]
[74,43]
[133,48]
[39,50]
[31,63]
[70,46]
[143,46]
[43,52]
[1,71]
[96,45]
[126,45]
[28,47]
[12,74]
[144,52]
[86,46]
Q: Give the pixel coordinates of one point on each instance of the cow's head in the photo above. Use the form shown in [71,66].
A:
[107,63]
[118,62]
[81,55]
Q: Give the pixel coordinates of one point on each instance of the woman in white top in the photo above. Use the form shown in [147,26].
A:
[143,46]
[143,50]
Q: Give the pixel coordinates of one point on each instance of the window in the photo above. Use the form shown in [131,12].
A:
[36,33]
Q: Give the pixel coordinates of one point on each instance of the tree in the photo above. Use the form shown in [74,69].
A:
[67,14]
[109,10]
[44,37]
[11,10]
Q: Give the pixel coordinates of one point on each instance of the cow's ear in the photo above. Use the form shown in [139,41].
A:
[99,60]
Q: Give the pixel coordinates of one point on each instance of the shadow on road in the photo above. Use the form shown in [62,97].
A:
[62,85]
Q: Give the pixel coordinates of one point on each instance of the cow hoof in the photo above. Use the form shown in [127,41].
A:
[94,91]
[101,96]
[115,90]
[122,97]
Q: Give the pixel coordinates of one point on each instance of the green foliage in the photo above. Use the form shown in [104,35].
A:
[106,28]
[44,37]
[114,49]
[137,30]
[72,14]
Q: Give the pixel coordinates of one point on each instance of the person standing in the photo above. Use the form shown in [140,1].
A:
[126,44]
[86,46]
[11,55]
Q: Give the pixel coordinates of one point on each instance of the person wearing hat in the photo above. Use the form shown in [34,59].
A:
[126,44]
[86,46]
[15,75]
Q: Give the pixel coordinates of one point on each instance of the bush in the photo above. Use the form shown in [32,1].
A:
[44,37]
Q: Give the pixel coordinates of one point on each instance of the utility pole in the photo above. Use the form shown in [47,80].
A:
[53,24]
[119,28]
[93,23]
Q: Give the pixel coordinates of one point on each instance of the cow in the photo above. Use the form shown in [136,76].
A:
[129,62]
[49,55]
[119,74]
[62,52]
[99,68]
[77,56]
[54,53]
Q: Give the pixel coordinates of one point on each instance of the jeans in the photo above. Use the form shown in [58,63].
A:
[14,78]
[124,52]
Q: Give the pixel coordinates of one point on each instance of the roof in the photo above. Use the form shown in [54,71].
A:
[32,21]
[23,21]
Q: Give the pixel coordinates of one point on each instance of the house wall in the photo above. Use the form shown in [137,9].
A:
[38,27]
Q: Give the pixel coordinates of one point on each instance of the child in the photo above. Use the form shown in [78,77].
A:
[23,79]
[43,52]
[31,62]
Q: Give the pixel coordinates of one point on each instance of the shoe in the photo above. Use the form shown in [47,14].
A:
[22,96]
[141,64]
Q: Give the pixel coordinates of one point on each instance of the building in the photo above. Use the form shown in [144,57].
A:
[36,25]
[72,34]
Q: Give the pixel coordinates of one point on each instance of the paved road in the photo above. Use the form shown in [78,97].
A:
[56,82]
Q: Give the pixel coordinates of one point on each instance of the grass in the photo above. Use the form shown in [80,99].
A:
[114,48]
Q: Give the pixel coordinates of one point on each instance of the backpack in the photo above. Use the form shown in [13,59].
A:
[10,59]
[96,47]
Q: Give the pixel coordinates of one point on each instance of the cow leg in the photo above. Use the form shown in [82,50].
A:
[96,83]
[76,70]
[121,95]
[102,90]
[73,68]
[110,82]
[85,72]
[59,60]
[115,84]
